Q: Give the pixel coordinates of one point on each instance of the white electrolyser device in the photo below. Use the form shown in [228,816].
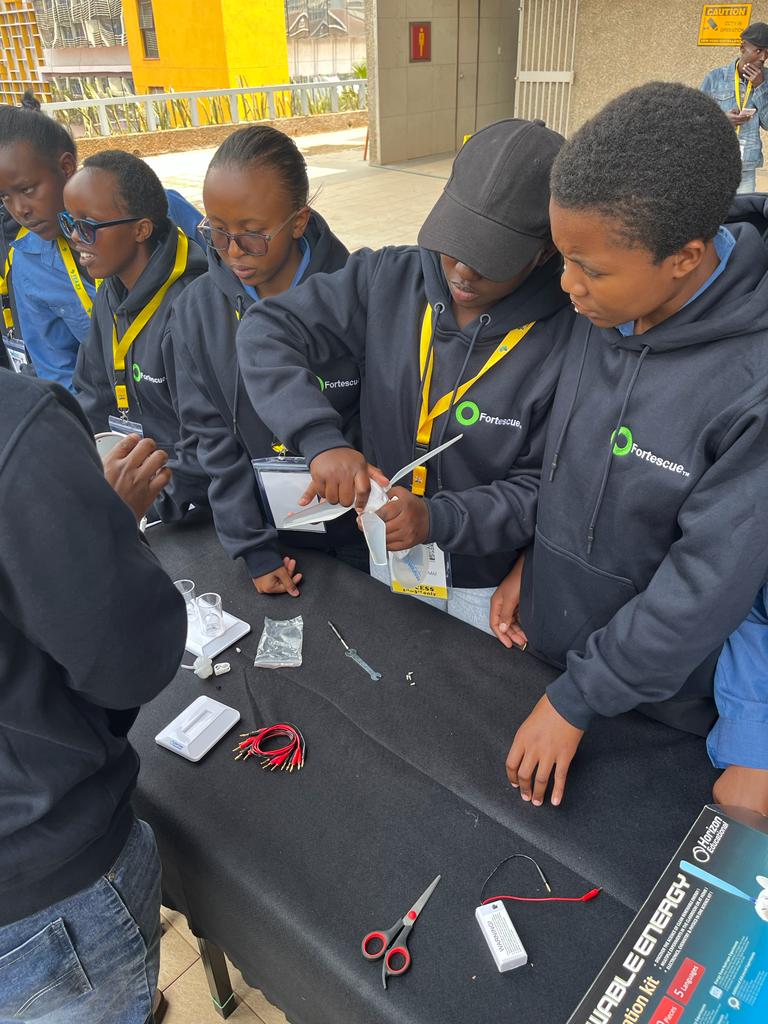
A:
[198,728]
[503,941]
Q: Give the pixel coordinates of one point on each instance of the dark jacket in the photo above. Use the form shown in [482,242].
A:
[146,378]
[220,427]
[651,545]
[482,493]
[90,628]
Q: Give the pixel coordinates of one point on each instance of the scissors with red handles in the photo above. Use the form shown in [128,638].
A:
[392,945]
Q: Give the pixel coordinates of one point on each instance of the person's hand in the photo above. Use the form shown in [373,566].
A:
[753,73]
[135,469]
[312,492]
[505,605]
[407,519]
[742,787]
[339,475]
[738,117]
[282,580]
[544,741]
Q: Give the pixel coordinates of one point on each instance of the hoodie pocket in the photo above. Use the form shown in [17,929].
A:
[564,599]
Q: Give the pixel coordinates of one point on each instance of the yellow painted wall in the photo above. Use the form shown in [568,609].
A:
[256,42]
[210,45]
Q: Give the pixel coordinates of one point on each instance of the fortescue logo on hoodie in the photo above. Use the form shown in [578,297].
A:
[329,385]
[139,375]
[623,444]
[468,413]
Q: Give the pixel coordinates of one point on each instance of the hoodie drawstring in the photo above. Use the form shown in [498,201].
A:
[609,453]
[485,320]
[239,303]
[567,420]
[438,309]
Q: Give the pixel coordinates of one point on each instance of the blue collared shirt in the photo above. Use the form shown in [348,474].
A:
[724,246]
[52,320]
[306,256]
[740,735]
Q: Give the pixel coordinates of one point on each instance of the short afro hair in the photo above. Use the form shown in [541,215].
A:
[48,137]
[261,145]
[663,160]
[138,189]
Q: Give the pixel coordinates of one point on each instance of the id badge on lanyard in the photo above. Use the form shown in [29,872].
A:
[281,481]
[122,425]
[421,571]
[17,352]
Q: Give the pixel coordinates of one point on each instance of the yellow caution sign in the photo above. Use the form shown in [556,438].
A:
[722,24]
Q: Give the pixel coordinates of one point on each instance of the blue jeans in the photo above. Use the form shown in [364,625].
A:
[93,958]
[748,183]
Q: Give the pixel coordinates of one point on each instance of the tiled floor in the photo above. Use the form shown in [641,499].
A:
[182,981]
[365,205]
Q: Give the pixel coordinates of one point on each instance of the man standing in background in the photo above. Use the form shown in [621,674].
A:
[739,88]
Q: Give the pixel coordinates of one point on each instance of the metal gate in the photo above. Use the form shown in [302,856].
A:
[545,50]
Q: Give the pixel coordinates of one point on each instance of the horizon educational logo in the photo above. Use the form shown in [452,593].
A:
[468,413]
[624,444]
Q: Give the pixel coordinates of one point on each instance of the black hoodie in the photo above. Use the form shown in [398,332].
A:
[90,628]
[651,545]
[482,494]
[149,396]
[219,424]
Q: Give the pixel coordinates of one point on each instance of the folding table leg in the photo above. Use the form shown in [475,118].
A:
[218,977]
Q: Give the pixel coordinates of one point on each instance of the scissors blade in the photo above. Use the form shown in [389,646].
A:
[418,906]
[420,462]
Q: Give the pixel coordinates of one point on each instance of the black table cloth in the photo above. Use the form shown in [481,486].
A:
[287,872]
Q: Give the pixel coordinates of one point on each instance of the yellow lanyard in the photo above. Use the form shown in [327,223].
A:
[4,291]
[121,346]
[428,416]
[737,90]
[74,275]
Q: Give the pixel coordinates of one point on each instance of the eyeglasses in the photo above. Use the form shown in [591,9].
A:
[86,229]
[253,243]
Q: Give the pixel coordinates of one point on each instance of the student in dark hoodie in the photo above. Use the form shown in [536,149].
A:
[90,628]
[651,541]
[474,317]
[117,219]
[263,240]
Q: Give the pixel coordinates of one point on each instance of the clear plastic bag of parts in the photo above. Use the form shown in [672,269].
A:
[280,643]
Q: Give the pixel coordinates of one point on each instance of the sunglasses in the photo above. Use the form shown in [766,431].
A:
[86,229]
[253,243]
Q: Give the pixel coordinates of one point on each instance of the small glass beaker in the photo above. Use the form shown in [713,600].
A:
[187,590]
[211,615]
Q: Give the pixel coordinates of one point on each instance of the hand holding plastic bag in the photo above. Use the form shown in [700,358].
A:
[409,565]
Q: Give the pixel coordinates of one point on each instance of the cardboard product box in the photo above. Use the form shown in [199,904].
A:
[697,952]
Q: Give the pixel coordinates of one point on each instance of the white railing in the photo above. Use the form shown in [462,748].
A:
[116,115]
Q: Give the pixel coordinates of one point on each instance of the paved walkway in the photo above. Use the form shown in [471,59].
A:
[364,205]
